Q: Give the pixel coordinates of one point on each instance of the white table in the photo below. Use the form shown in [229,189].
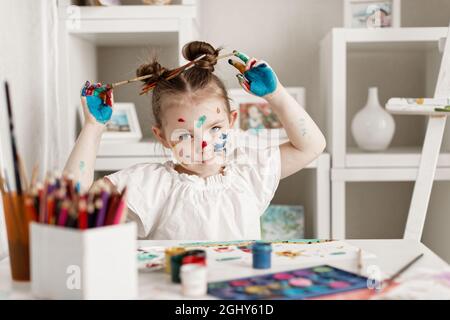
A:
[391,256]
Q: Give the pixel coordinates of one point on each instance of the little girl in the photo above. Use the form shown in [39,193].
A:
[211,191]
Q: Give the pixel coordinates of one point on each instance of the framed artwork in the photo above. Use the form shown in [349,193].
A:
[372,13]
[283,222]
[255,116]
[124,123]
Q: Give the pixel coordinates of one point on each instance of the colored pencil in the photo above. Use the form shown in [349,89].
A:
[113,203]
[121,208]
[101,216]
[63,214]
[82,213]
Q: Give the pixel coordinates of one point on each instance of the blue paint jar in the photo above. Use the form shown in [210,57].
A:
[262,252]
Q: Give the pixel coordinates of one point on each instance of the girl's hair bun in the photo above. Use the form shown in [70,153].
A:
[195,49]
[152,68]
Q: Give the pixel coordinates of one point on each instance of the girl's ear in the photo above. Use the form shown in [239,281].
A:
[233,117]
[159,134]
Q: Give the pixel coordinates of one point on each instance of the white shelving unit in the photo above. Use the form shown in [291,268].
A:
[84,29]
[352,164]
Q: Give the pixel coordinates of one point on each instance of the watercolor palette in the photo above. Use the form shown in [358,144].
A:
[295,284]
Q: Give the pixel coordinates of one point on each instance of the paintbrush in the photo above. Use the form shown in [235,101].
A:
[406,267]
[15,154]
[120,83]
[33,177]
[2,186]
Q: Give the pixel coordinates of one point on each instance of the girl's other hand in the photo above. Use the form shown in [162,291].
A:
[97,101]
[256,76]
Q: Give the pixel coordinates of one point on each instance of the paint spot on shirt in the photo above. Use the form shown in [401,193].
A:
[201,121]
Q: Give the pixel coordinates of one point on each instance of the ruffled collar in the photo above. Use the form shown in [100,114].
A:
[219,180]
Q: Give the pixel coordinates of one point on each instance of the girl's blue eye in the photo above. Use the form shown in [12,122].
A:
[215,129]
[185,136]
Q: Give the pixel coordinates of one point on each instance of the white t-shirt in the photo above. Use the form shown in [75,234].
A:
[168,205]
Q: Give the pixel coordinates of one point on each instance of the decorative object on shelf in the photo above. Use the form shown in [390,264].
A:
[124,123]
[283,222]
[373,127]
[103,2]
[371,13]
[255,116]
[157,2]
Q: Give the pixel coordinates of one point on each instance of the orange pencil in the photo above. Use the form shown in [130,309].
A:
[30,209]
[50,209]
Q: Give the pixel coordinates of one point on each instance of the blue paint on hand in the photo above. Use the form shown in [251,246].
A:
[262,80]
[100,110]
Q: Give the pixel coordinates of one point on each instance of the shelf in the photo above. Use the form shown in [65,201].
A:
[398,157]
[129,25]
[390,35]
[384,174]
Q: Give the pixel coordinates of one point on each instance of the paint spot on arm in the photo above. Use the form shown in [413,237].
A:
[82,166]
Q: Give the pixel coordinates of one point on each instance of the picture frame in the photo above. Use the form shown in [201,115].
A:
[241,99]
[372,13]
[123,125]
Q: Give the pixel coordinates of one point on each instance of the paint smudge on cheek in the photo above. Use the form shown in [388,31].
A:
[221,146]
[201,121]
[204,144]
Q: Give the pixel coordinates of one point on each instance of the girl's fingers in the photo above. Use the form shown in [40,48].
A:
[245,58]
[243,82]
[238,65]
[251,63]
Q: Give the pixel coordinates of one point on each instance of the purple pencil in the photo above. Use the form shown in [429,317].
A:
[101,217]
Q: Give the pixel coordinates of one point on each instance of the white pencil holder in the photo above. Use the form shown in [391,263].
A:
[98,263]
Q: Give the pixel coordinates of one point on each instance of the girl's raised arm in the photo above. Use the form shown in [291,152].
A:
[306,141]
[97,101]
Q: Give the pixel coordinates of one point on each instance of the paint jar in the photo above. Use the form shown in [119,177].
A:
[262,252]
[186,257]
[175,265]
[194,256]
[194,280]
[169,252]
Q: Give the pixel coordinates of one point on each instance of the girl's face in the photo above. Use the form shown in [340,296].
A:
[197,133]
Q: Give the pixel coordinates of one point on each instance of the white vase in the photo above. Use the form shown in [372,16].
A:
[373,127]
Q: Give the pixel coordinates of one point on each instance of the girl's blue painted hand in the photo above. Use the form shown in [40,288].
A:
[99,102]
[256,76]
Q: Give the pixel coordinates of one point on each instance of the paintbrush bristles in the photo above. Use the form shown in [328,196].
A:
[185,67]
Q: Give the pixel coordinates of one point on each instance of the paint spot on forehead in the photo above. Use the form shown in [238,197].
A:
[218,110]
[181,120]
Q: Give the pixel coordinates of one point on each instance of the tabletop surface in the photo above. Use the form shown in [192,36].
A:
[391,255]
